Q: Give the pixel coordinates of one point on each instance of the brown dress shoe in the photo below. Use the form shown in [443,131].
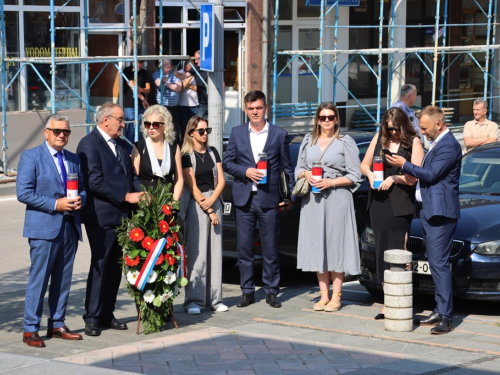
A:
[63,333]
[32,339]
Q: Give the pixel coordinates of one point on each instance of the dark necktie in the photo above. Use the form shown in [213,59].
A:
[118,156]
[64,173]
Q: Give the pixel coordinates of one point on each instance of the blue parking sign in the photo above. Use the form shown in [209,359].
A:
[207,37]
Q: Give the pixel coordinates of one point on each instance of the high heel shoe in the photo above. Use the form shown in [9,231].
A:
[320,306]
[331,307]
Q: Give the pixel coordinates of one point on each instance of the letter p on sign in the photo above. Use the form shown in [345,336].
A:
[207,37]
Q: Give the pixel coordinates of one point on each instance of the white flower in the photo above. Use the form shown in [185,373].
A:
[166,296]
[149,296]
[132,277]
[170,277]
[152,277]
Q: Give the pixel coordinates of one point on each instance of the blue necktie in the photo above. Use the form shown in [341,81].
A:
[64,173]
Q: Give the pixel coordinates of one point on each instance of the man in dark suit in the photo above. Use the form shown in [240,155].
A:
[438,207]
[254,201]
[53,226]
[112,188]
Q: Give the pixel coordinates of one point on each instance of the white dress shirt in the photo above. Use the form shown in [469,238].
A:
[418,195]
[107,138]
[258,141]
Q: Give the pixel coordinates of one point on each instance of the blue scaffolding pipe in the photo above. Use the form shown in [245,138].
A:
[335,45]
[493,66]
[487,58]
[3,69]
[391,71]
[443,56]
[275,58]
[53,57]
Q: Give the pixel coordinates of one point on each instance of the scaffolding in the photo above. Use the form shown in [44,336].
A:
[438,52]
[53,61]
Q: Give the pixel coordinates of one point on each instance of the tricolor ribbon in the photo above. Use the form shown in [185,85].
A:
[182,267]
[149,264]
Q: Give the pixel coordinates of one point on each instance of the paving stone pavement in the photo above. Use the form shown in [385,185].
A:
[222,351]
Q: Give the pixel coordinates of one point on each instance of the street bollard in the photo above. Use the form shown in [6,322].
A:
[398,292]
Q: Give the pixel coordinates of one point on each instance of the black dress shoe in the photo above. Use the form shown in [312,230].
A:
[114,324]
[379,317]
[92,329]
[272,300]
[245,300]
[445,325]
[431,320]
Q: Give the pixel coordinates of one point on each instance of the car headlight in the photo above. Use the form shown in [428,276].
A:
[368,236]
[488,248]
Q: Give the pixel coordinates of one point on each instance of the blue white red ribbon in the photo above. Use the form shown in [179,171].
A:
[182,267]
[149,264]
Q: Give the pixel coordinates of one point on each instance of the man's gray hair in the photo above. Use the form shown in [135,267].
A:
[105,110]
[481,100]
[406,90]
[56,117]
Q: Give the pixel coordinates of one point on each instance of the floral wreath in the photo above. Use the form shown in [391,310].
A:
[153,256]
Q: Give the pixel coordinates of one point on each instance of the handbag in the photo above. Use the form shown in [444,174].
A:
[284,186]
[302,186]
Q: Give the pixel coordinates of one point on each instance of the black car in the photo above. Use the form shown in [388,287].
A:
[289,220]
[475,255]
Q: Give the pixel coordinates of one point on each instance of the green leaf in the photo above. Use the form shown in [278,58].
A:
[182,281]
[144,254]
[157,301]
[133,254]
[148,215]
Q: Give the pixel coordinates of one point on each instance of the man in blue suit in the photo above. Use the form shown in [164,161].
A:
[255,201]
[52,225]
[438,207]
[112,187]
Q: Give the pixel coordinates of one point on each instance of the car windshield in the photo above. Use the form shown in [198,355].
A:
[480,173]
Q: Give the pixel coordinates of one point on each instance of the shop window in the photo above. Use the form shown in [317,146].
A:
[170,14]
[285,10]
[37,44]
[304,10]
[11,33]
[172,41]
[10,2]
[284,86]
[109,11]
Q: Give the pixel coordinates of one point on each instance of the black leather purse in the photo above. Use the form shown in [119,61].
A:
[284,187]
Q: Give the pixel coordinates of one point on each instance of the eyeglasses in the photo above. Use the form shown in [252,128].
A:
[121,120]
[56,132]
[397,130]
[155,124]
[330,118]
[202,131]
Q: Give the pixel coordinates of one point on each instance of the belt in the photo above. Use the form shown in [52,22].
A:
[419,204]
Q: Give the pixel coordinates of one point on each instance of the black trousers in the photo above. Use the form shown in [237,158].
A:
[104,276]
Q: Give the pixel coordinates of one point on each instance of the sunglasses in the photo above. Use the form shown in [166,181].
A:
[397,130]
[202,131]
[56,132]
[330,118]
[155,124]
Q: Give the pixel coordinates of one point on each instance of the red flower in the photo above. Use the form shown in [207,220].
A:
[167,210]
[170,259]
[173,223]
[170,242]
[176,236]
[163,226]
[148,243]
[136,235]
[132,262]
[160,260]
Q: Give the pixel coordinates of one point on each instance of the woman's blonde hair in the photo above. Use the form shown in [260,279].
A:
[316,132]
[165,116]
[188,144]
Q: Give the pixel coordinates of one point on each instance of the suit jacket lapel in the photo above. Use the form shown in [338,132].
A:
[104,146]
[246,139]
[270,135]
[49,160]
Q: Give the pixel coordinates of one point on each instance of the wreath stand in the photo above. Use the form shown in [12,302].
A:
[139,318]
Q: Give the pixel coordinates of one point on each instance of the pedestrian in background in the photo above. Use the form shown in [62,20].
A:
[328,238]
[157,157]
[479,131]
[255,201]
[392,205]
[202,206]
[438,208]
[407,98]
[171,86]
[143,88]
[188,98]
[53,226]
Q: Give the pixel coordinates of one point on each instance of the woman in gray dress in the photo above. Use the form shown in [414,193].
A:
[328,239]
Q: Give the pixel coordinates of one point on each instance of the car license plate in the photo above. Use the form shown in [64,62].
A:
[227,209]
[421,266]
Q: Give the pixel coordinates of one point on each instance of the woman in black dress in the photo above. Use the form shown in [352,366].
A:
[392,205]
[157,157]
